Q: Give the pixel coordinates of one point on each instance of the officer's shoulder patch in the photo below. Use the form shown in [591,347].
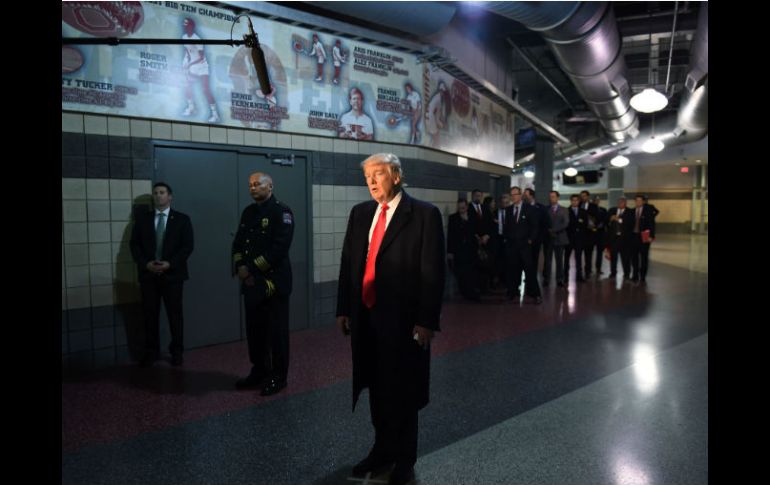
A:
[287,218]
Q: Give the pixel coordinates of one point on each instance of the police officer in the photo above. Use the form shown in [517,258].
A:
[261,261]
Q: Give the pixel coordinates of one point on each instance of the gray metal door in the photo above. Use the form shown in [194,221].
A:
[290,186]
[205,185]
[496,187]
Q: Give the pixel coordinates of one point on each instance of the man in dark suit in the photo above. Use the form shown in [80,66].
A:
[589,236]
[557,240]
[462,251]
[161,242]
[644,228]
[476,208]
[543,223]
[391,285]
[500,267]
[576,232]
[520,230]
[261,261]
[480,220]
[619,233]
[600,235]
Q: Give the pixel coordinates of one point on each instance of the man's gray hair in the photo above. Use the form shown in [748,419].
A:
[389,159]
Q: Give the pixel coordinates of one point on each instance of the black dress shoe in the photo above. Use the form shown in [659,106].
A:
[545,283]
[176,360]
[580,280]
[147,361]
[401,475]
[273,386]
[612,275]
[253,381]
[560,284]
[372,464]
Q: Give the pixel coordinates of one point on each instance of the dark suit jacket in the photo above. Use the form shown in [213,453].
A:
[592,213]
[461,239]
[602,217]
[647,220]
[625,228]
[540,212]
[577,231]
[409,287]
[481,224]
[518,234]
[177,243]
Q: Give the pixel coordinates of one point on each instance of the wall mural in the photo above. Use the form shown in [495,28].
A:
[323,85]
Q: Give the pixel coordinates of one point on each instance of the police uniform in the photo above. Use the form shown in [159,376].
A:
[262,245]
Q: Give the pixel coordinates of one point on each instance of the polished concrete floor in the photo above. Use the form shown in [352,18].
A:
[682,250]
[606,382]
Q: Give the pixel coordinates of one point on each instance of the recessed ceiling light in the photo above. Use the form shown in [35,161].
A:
[619,161]
[653,145]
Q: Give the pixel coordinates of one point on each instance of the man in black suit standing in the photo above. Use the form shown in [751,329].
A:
[462,251]
[543,223]
[600,235]
[520,231]
[500,267]
[619,232]
[643,236]
[480,221]
[391,286]
[589,237]
[161,242]
[576,232]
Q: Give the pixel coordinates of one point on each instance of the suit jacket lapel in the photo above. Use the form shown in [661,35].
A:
[361,244]
[401,217]
[170,222]
[151,225]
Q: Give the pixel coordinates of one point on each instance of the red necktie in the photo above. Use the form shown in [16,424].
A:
[368,294]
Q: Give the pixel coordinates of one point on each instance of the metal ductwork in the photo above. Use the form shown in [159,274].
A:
[584,38]
[693,115]
[585,139]
[417,18]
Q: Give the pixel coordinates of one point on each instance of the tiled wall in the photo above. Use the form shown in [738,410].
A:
[107,168]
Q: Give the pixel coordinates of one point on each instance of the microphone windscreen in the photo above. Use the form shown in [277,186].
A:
[258,57]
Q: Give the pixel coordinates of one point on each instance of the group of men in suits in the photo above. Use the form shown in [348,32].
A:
[520,227]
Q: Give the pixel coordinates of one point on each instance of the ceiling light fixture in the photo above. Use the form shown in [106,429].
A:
[619,161]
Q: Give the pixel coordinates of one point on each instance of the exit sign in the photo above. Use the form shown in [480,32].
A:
[684,169]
